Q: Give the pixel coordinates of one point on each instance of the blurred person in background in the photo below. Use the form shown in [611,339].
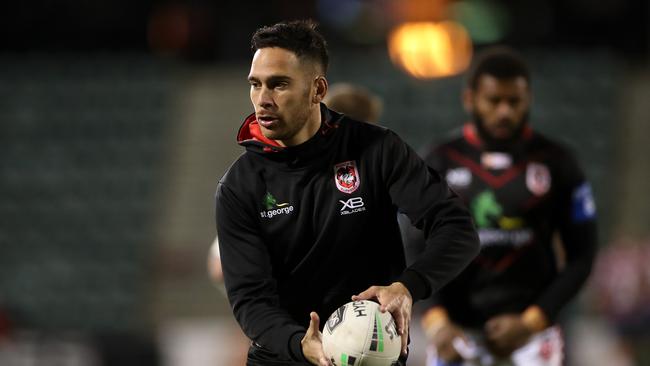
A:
[238,343]
[215,272]
[522,188]
[621,292]
[354,101]
[315,188]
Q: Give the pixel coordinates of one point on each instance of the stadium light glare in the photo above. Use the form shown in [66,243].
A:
[427,50]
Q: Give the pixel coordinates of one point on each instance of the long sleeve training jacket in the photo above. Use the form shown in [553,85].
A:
[303,228]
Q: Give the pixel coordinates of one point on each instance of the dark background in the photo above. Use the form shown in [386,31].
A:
[117,118]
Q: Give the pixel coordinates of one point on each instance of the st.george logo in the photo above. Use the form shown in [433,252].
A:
[346,176]
[273,208]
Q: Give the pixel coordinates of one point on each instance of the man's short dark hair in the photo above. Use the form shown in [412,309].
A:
[500,62]
[298,36]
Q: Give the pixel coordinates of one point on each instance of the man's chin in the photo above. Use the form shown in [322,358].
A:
[271,134]
[502,137]
[501,134]
[268,133]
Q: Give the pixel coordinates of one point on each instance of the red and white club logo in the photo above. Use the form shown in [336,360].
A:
[346,176]
[538,178]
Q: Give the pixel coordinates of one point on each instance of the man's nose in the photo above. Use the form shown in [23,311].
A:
[265,98]
[504,109]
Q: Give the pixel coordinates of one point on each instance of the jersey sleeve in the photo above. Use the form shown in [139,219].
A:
[423,196]
[250,285]
[577,228]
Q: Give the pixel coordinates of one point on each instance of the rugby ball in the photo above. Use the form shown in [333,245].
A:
[359,334]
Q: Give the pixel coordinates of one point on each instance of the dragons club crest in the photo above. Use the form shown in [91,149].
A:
[346,176]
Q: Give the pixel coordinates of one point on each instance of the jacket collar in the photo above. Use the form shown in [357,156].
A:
[471,135]
[250,135]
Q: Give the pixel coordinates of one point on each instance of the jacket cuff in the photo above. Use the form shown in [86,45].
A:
[295,347]
[416,284]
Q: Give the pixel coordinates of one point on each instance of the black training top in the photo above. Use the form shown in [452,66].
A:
[303,228]
[519,199]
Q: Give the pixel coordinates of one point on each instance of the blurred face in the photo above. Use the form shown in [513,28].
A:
[499,105]
[286,92]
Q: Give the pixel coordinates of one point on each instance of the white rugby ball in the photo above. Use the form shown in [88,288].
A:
[359,334]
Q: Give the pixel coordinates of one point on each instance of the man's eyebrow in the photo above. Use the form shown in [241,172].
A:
[277,78]
[272,79]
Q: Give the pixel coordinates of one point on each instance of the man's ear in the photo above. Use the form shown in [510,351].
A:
[321,89]
[468,100]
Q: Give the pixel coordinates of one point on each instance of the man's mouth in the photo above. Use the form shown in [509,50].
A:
[267,120]
[503,126]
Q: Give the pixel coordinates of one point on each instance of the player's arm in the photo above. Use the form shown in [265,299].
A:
[577,228]
[575,217]
[507,332]
[423,196]
[413,238]
[451,240]
[248,278]
[443,334]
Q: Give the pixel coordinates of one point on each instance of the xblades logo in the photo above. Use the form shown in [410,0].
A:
[352,205]
[273,208]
